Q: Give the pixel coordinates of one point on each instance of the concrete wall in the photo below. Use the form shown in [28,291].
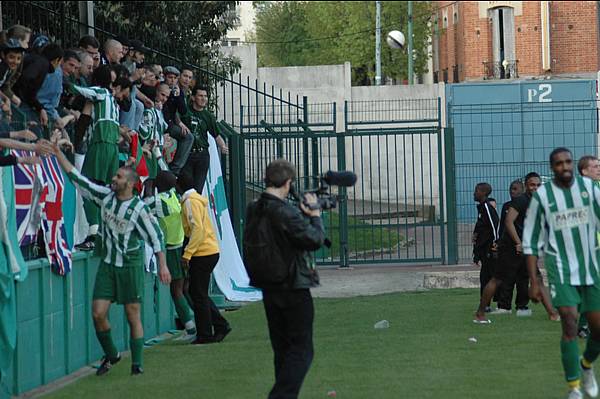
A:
[402,170]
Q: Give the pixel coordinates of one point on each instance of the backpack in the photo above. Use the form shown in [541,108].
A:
[262,259]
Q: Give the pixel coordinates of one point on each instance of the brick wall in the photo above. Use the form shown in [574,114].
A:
[573,38]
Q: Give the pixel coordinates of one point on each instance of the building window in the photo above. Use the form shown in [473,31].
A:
[455,13]
[445,75]
[503,42]
[436,78]
[444,19]
[455,78]
[436,44]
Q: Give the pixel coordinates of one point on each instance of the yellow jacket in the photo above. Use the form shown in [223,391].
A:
[197,226]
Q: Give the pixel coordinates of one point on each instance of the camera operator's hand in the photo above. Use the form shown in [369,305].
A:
[310,199]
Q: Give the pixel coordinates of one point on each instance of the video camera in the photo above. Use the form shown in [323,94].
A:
[326,200]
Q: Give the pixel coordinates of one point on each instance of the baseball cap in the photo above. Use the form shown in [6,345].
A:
[40,41]
[137,45]
[171,70]
[12,44]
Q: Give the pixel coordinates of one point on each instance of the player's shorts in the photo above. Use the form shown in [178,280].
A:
[101,162]
[122,285]
[586,296]
[174,263]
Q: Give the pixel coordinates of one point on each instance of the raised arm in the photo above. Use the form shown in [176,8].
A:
[89,190]
[89,93]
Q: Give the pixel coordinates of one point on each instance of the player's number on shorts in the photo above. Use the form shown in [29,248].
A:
[542,94]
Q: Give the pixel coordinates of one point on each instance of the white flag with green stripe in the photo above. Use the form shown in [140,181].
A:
[563,223]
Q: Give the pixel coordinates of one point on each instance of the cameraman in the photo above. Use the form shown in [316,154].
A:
[288,234]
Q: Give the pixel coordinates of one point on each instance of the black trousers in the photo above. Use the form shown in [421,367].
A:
[486,272]
[512,271]
[197,166]
[290,316]
[206,313]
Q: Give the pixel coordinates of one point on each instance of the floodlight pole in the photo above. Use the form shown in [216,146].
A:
[411,78]
[378,43]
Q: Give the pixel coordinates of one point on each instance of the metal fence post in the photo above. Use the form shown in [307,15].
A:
[442,194]
[451,196]
[343,205]
[305,148]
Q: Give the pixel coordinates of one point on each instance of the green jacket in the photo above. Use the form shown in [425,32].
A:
[199,123]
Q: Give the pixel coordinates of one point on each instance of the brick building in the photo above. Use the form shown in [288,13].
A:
[476,40]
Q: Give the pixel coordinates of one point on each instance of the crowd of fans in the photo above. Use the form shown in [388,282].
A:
[108,104]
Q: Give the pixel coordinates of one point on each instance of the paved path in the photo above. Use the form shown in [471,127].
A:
[373,280]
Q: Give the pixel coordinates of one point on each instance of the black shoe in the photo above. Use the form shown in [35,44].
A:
[220,335]
[88,245]
[204,341]
[106,365]
[583,332]
[136,370]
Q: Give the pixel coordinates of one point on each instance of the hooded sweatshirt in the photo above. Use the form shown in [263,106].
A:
[197,226]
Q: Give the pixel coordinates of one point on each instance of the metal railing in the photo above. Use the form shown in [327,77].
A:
[507,69]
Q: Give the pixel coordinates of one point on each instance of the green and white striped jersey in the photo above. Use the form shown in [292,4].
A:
[563,224]
[153,126]
[125,224]
[105,114]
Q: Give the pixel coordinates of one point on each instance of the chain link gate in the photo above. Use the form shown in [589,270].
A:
[395,212]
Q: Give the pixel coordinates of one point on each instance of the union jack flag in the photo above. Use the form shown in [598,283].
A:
[28,188]
[57,249]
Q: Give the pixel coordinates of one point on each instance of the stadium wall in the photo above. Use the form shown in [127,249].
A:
[55,331]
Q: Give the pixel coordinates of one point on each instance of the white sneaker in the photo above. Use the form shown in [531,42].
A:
[588,381]
[575,394]
[524,312]
[186,337]
[501,311]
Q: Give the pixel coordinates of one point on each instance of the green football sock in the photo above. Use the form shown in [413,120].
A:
[183,309]
[570,359]
[592,350]
[107,344]
[137,351]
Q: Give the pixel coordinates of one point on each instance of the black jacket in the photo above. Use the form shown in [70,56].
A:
[35,69]
[486,230]
[174,105]
[294,235]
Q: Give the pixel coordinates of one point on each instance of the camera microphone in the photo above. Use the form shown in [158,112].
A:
[344,179]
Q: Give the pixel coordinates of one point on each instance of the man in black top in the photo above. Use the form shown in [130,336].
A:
[288,303]
[505,291]
[510,250]
[35,68]
[485,234]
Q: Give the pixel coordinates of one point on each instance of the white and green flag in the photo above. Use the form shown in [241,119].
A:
[230,273]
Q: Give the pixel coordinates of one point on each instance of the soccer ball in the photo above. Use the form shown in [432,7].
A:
[395,39]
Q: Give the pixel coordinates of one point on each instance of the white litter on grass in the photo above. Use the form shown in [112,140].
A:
[332,394]
[382,324]
[472,339]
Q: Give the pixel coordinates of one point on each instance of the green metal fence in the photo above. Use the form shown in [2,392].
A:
[394,213]
[498,143]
